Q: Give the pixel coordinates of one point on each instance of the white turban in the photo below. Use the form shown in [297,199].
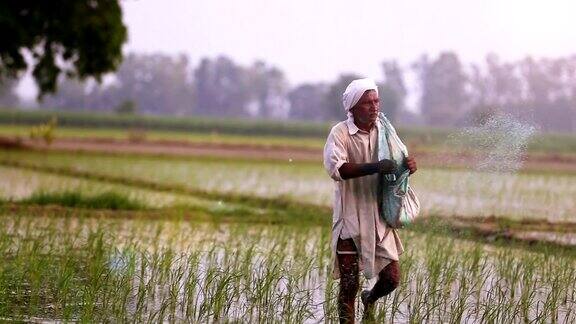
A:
[355,90]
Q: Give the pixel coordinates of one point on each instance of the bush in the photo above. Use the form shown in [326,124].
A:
[127,107]
[45,131]
[106,200]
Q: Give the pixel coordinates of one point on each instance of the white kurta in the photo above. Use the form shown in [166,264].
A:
[356,213]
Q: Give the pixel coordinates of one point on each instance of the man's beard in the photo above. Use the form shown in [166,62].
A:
[366,120]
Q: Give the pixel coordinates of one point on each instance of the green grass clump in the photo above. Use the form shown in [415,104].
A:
[106,200]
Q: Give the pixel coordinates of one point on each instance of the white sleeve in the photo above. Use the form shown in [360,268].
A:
[335,154]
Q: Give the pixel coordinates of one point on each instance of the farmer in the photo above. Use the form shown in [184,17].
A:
[361,239]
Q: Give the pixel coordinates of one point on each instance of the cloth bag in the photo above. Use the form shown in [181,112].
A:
[399,205]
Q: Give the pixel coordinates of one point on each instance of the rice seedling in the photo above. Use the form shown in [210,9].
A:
[269,261]
[94,269]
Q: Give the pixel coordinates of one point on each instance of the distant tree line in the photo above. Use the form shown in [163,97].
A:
[449,92]
[540,91]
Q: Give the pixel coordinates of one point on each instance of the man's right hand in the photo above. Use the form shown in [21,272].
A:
[387,166]
[354,170]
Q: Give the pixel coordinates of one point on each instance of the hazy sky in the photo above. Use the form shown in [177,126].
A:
[315,40]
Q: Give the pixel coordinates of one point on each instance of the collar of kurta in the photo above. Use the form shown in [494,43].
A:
[353,129]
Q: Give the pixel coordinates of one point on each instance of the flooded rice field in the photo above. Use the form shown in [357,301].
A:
[102,269]
[458,192]
[70,263]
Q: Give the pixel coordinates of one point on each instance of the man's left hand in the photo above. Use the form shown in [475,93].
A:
[411,164]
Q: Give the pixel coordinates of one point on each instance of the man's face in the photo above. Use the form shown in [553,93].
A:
[366,110]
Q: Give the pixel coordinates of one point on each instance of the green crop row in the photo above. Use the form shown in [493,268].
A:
[423,138]
[184,124]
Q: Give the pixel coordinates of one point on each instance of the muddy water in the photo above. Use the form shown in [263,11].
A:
[207,272]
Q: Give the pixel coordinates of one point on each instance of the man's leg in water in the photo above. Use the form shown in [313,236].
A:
[349,280]
[388,280]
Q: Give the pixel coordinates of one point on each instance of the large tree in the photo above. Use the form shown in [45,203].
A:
[81,38]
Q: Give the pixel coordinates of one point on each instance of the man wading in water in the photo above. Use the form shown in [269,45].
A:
[361,239]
